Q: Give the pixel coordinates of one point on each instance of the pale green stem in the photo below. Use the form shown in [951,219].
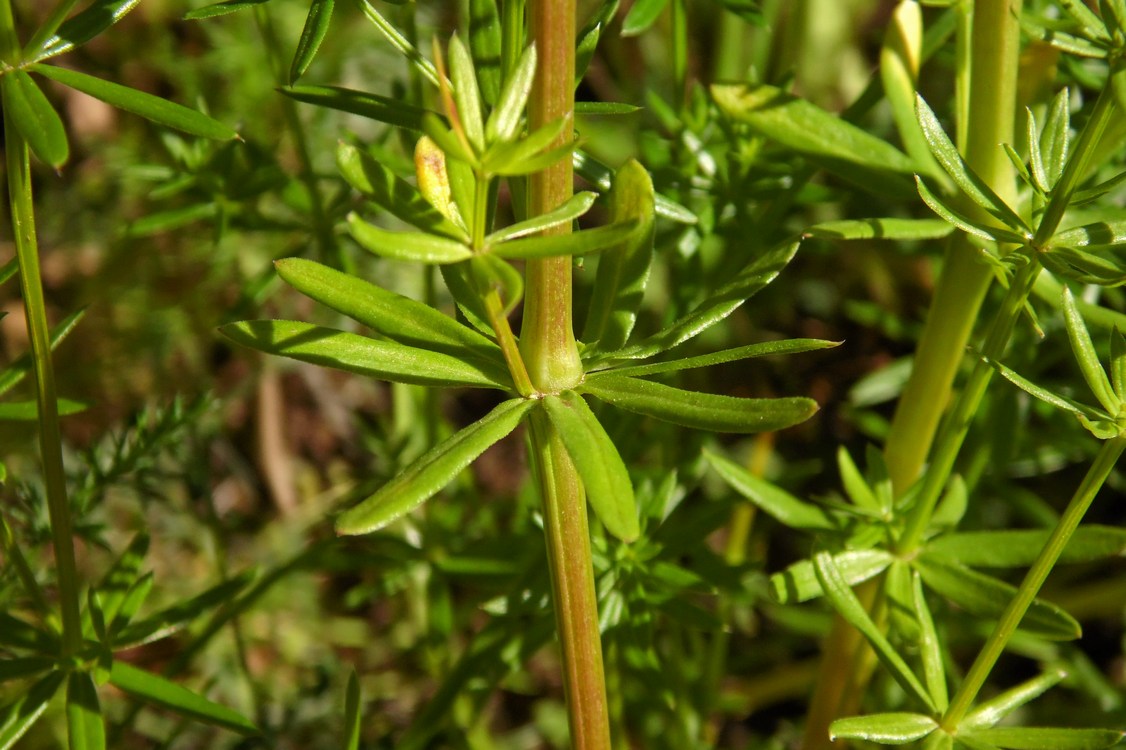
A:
[1033,581]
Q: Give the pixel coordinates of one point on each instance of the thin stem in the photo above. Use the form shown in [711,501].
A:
[35,312]
[508,346]
[1104,462]
[572,583]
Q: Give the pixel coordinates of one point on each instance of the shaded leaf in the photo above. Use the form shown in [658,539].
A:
[433,470]
[28,110]
[1038,738]
[1016,548]
[159,691]
[23,667]
[594,171]
[642,15]
[82,27]
[19,715]
[703,411]
[765,349]
[594,109]
[353,703]
[329,347]
[221,9]
[17,370]
[886,729]
[177,616]
[372,106]
[604,475]
[312,34]
[772,500]
[160,111]
[85,728]
[485,43]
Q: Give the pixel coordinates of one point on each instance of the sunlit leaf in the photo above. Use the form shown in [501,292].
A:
[582,242]
[594,171]
[407,246]
[82,27]
[433,470]
[159,691]
[765,349]
[1087,357]
[880,229]
[995,709]
[221,9]
[504,122]
[313,33]
[604,475]
[485,43]
[466,93]
[1019,547]
[160,111]
[930,647]
[963,222]
[18,716]
[86,730]
[1038,738]
[573,208]
[28,110]
[328,347]
[28,411]
[772,500]
[886,729]
[798,582]
[703,411]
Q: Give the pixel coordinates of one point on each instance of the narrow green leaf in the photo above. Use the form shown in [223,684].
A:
[82,27]
[23,667]
[372,106]
[408,246]
[329,347]
[1097,191]
[1086,267]
[702,411]
[995,709]
[641,16]
[504,122]
[880,229]
[177,616]
[485,42]
[623,271]
[467,95]
[399,318]
[855,485]
[221,9]
[765,349]
[772,500]
[21,714]
[582,242]
[160,111]
[1035,158]
[1055,137]
[1040,738]
[589,35]
[313,33]
[963,222]
[986,596]
[595,109]
[597,173]
[540,148]
[353,716]
[131,603]
[35,119]
[1099,233]
[17,634]
[1085,354]
[850,608]
[1022,170]
[1018,548]
[392,193]
[1061,402]
[448,141]
[1118,362]
[596,458]
[165,221]
[570,210]
[725,301]
[85,728]
[48,26]
[900,58]
[930,647]
[826,140]
[886,729]
[159,691]
[122,575]
[399,42]
[967,180]
[1086,18]
[798,582]
[14,373]
[28,411]
[433,470]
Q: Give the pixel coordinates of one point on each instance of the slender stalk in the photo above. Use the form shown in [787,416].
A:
[548,346]
[1104,462]
[35,312]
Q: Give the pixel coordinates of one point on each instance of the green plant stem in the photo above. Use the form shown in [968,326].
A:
[573,593]
[35,312]
[547,343]
[995,49]
[1104,462]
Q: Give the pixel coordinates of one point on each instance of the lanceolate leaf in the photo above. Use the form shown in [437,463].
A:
[177,616]
[353,713]
[15,372]
[641,16]
[603,473]
[576,243]
[1016,548]
[485,43]
[880,229]
[987,597]
[373,106]
[1087,357]
[392,193]
[82,27]
[433,470]
[589,168]
[504,121]
[28,411]
[703,411]
[767,348]
[798,583]
[886,729]
[1099,233]
[409,246]
[19,716]
[775,502]
[466,93]
[221,9]
[823,138]
[122,576]
[85,728]
[572,209]
[963,222]
[160,111]
[28,110]
[329,347]
[930,647]
[1037,738]
[726,300]
[316,26]
[993,710]
[399,318]
[623,270]
[159,691]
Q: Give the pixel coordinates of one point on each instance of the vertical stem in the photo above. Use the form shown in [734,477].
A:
[995,48]
[549,350]
[35,312]
[1033,580]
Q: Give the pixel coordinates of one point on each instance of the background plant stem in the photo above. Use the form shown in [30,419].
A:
[552,359]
